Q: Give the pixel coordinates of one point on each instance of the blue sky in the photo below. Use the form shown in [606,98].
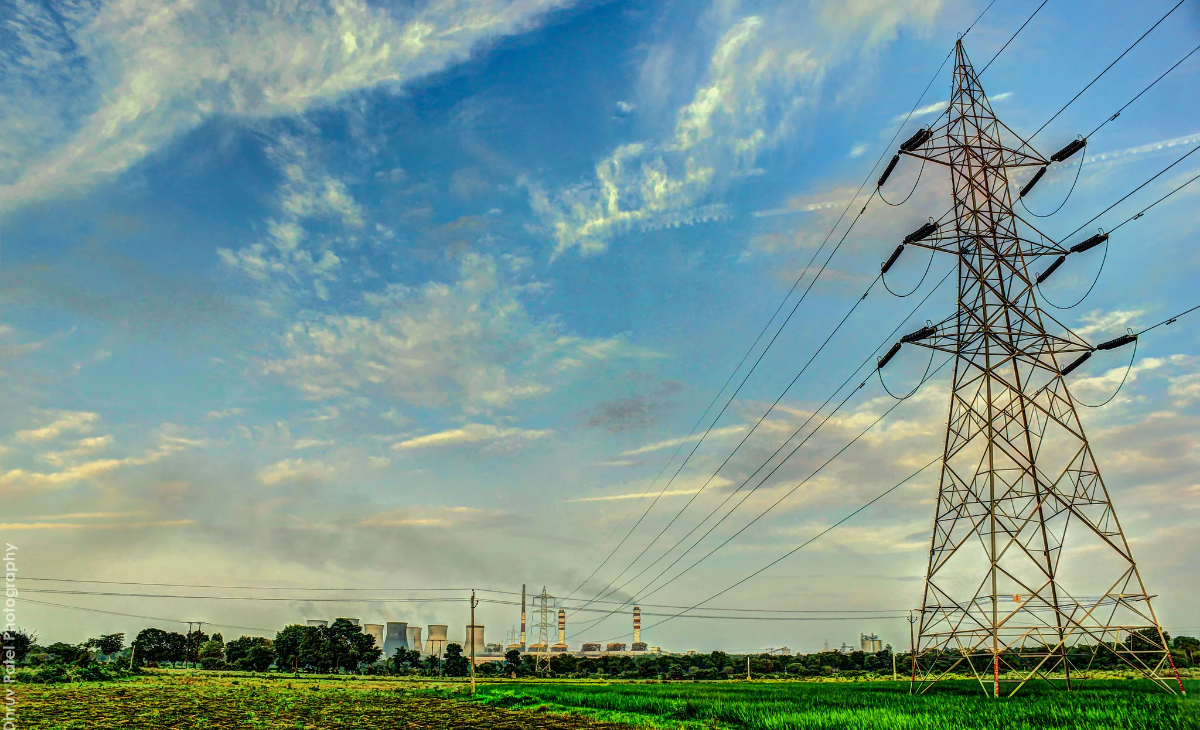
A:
[427,293]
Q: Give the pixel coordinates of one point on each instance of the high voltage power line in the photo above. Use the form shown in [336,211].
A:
[851,204]
[1106,69]
[836,224]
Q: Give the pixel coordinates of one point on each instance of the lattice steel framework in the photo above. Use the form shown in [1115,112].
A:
[545,605]
[1029,573]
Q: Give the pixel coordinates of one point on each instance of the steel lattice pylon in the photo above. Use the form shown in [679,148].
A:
[1029,572]
[545,604]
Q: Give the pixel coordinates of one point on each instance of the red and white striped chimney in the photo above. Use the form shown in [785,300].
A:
[637,624]
[562,627]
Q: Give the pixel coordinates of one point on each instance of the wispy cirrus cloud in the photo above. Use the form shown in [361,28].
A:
[762,75]
[470,434]
[471,343]
[668,443]
[62,422]
[95,87]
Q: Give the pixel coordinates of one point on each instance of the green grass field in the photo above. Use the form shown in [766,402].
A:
[955,705]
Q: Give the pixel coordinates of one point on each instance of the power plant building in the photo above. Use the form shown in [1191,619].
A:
[870,643]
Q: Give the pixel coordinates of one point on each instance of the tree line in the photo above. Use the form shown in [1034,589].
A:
[343,647]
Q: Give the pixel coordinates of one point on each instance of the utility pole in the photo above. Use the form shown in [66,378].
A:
[1019,479]
[474,634]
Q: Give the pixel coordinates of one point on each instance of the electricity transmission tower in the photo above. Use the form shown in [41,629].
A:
[545,608]
[1029,572]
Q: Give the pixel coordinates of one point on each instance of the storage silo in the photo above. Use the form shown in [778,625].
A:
[414,639]
[375,631]
[396,637]
[317,622]
[870,643]
[474,637]
[435,644]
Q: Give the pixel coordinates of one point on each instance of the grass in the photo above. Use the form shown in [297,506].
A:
[955,705]
[184,700]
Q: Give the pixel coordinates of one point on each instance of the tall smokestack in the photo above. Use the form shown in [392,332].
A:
[562,627]
[637,624]
[522,617]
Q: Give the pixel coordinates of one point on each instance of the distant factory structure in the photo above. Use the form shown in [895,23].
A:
[870,643]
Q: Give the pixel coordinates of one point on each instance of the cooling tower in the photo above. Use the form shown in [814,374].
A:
[396,637]
[615,646]
[637,625]
[317,622]
[414,638]
[375,631]
[351,620]
[474,637]
[436,643]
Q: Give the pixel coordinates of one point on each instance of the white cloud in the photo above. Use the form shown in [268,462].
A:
[470,433]
[470,343]
[64,421]
[94,89]
[290,470]
[637,495]
[431,517]
[1111,324]
[764,71]
[659,445]
[82,447]
[290,254]
[21,479]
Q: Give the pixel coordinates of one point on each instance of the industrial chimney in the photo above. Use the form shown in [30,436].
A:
[522,617]
[637,645]
[561,646]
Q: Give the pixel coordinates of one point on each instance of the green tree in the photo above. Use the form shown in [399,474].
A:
[433,665]
[250,653]
[211,653]
[348,646]
[64,653]
[405,660]
[156,645]
[512,662]
[19,642]
[288,643]
[457,665]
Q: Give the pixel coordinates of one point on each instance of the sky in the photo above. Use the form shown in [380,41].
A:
[427,295]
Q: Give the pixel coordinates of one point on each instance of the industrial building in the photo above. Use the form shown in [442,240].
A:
[870,643]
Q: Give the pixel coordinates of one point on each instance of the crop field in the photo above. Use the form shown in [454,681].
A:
[212,703]
[957,705]
[180,701]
